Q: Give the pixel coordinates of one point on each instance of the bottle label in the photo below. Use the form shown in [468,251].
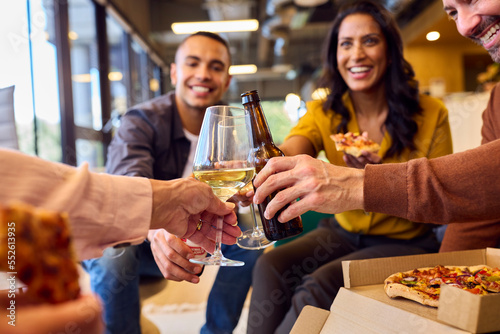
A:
[198,251]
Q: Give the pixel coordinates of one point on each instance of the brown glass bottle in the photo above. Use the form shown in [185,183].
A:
[265,150]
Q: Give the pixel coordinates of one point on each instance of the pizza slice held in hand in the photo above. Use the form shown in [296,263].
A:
[354,143]
[36,246]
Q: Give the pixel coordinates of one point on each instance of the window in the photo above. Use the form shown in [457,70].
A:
[138,73]
[117,44]
[30,65]
[72,67]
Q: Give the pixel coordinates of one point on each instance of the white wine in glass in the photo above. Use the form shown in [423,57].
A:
[226,182]
[224,160]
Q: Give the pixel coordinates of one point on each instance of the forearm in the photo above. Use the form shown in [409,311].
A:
[460,187]
[103,209]
[472,235]
[297,145]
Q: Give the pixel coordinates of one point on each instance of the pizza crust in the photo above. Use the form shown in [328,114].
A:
[394,290]
[357,152]
[39,245]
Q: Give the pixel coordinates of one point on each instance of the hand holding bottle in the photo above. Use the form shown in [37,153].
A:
[264,150]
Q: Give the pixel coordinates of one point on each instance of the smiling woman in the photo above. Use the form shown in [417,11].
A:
[371,88]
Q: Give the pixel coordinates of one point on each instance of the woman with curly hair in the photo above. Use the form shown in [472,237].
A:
[371,90]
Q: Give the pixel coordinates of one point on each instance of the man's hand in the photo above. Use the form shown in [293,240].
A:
[321,186]
[172,257]
[178,206]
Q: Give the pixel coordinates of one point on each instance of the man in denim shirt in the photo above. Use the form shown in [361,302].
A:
[157,139]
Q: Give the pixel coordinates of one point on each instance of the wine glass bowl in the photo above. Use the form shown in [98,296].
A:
[224,160]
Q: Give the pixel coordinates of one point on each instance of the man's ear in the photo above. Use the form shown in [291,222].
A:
[173,74]
[228,81]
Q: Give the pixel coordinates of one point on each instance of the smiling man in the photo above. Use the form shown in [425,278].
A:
[157,139]
[479,21]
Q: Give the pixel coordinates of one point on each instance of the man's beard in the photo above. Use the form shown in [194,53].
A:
[493,51]
[495,54]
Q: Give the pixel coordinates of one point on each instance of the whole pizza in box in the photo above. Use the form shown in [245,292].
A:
[423,285]
[36,249]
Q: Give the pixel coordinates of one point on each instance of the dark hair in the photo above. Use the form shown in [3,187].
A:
[213,36]
[401,87]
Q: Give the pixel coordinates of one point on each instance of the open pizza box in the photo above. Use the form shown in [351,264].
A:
[363,307]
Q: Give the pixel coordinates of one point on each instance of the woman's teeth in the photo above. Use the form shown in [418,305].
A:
[359,69]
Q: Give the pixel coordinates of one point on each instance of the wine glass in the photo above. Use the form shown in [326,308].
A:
[224,160]
[254,238]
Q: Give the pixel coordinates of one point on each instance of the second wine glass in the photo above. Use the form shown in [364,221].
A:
[224,161]
[255,238]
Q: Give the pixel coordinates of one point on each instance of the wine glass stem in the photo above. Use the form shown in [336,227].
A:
[218,237]
[256,233]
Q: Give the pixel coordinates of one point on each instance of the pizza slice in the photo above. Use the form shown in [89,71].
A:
[36,247]
[354,143]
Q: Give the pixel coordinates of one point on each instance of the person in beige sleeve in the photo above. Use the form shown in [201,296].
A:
[98,203]
[459,188]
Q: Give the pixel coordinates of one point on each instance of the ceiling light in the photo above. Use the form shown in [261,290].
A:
[82,78]
[292,101]
[154,85]
[115,76]
[320,94]
[433,36]
[215,26]
[242,69]
[72,35]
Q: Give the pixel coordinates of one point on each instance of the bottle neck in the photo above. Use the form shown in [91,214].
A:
[260,128]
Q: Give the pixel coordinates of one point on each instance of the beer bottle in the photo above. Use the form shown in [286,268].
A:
[265,150]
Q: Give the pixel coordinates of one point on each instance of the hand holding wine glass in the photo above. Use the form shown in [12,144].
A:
[224,161]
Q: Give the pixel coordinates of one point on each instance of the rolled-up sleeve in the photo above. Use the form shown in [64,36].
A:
[104,210]
[461,187]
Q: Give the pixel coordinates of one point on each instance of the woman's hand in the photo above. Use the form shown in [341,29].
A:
[244,197]
[361,161]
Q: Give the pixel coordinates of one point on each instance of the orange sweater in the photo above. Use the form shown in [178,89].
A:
[459,188]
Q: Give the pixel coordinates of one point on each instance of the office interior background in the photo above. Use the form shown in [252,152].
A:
[77,65]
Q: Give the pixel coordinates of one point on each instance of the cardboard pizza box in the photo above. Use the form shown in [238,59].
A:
[363,307]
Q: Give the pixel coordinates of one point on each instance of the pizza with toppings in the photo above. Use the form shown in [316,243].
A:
[354,143]
[36,248]
[423,285]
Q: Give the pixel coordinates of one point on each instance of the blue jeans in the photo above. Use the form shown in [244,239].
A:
[229,291]
[115,278]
